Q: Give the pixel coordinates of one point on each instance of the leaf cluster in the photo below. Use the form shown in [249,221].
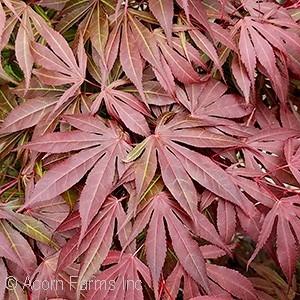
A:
[149,149]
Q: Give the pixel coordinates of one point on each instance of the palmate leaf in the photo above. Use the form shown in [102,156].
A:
[224,282]
[14,245]
[208,100]
[123,276]
[259,43]
[61,285]
[179,165]
[286,212]
[96,243]
[163,208]
[57,43]
[209,167]
[123,107]
[93,24]
[165,63]
[148,48]
[59,67]
[109,149]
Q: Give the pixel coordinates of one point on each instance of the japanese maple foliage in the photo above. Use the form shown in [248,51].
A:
[149,149]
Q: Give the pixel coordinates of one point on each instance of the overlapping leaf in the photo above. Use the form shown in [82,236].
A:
[292,157]
[179,165]
[286,213]
[166,77]
[221,279]
[260,43]
[13,244]
[109,148]
[96,243]
[59,67]
[209,100]
[29,113]
[61,285]
[163,208]
[123,276]
[124,107]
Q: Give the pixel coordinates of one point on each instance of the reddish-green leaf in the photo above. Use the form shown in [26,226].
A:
[163,11]
[28,114]
[130,58]
[24,57]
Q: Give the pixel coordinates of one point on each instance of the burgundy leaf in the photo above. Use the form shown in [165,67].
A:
[13,247]
[231,281]
[124,273]
[286,211]
[226,220]
[76,72]
[241,76]
[247,52]
[64,175]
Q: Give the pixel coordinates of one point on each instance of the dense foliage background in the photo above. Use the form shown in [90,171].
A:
[149,149]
